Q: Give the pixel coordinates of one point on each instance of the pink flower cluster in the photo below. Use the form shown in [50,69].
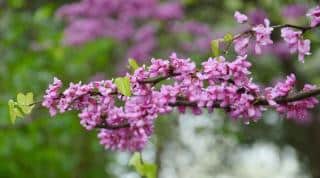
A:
[217,84]
[52,95]
[314,15]
[200,36]
[294,11]
[241,18]
[296,42]
[129,22]
[127,122]
[135,24]
[112,18]
[293,110]
[262,34]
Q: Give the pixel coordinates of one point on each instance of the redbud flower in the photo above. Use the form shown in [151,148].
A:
[296,43]
[291,37]
[158,67]
[127,122]
[298,110]
[294,11]
[303,49]
[256,16]
[50,99]
[240,70]
[282,88]
[214,70]
[241,45]
[262,34]
[241,18]
[314,15]
[169,11]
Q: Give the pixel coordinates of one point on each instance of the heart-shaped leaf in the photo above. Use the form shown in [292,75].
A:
[13,111]
[144,169]
[133,64]
[123,85]
[215,48]
[25,102]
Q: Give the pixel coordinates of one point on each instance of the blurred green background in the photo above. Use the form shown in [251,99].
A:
[31,54]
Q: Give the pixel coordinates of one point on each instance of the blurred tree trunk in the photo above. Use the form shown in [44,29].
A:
[305,138]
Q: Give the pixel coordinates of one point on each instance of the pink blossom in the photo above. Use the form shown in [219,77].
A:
[214,69]
[159,67]
[128,125]
[257,16]
[282,88]
[303,49]
[243,107]
[50,99]
[241,45]
[298,110]
[182,66]
[169,11]
[200,35]
[122,139]
[294,11]
[127,122]
[239,69]
[241,18]
[314,15]
[291,37]
[262,34]
[296,42]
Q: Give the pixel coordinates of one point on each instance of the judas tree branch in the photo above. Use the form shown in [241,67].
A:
[250,32]
[302,28]
[281,100]
[156,80]
[260,101]
[295,97]
[112,127]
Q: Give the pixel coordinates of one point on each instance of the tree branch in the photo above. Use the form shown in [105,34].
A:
[258,101]
[295,97]
[281,100]
[113,127]
[302,28]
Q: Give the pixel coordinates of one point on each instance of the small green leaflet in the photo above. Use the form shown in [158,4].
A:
[13,111]
[25,102]
[123,85]
[228,38]
[144,169]
[22,107]
[135,161]
[215,48]
[133,64]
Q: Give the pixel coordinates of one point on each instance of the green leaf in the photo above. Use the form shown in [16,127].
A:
[25,102]
[150,170]
[144,169]
[135,161]
[228,38]
[123,85]
[133,64]
[13,111]
[215,48]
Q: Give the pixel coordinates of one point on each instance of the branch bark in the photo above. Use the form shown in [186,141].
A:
[281,100]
